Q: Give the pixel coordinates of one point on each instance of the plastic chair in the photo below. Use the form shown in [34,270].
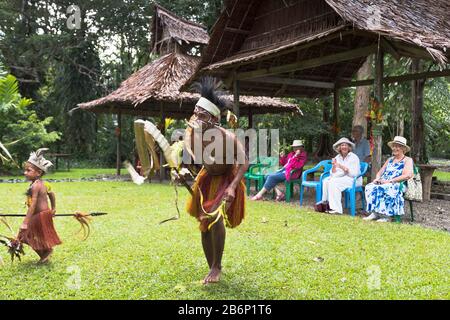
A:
[257,172]
[290,185]
[350,193]
[326,164]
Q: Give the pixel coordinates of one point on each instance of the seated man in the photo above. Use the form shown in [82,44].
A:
[294,160]
[362,146]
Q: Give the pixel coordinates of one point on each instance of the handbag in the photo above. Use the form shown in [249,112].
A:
[414,187]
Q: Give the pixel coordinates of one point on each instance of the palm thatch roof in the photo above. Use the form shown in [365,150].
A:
[420,22]
[159,82]
[168,26]
[307,47]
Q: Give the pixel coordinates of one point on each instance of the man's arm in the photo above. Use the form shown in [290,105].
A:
[242,164]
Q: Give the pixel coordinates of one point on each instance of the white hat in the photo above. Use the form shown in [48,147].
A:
[298,143]
[341,141]
[401,141]
[37,159]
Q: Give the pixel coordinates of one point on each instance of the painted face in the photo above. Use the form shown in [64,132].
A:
[31,172]
[202,118]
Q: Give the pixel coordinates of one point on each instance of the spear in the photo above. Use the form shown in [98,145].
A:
[91,214]
[82,217]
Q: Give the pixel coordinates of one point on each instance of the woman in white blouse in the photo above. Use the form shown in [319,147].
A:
[345,166]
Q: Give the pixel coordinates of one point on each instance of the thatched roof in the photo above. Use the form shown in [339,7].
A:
[305,42]
[159,83]
[423,23]
[168,25]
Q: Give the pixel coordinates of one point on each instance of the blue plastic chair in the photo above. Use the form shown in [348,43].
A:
[350,193]
[326,164]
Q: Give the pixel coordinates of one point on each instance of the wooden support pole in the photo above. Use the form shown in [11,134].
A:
[119,142]
[336,112]
[236,98]
[161,155]
[378,140]
[250,118]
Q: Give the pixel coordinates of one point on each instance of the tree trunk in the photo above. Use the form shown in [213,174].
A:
[417,126]
[362,95]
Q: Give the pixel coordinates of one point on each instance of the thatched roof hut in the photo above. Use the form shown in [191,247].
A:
[158,85]
[310,47]
[313,48]
[168,28]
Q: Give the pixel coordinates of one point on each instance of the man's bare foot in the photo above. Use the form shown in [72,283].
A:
[213,276]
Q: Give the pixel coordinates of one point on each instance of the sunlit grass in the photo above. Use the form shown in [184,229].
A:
[279,252]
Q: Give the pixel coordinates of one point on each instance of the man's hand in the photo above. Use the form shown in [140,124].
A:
[229,195]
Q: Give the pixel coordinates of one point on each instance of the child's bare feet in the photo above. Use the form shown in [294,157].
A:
[213,276]
[45,258]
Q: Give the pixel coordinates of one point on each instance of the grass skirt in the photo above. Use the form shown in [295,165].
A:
[40,234]
[213,189]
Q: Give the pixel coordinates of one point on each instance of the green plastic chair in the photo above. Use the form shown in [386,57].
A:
[257,172]
[289,185]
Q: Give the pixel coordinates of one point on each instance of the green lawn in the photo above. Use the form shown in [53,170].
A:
[442,175]
[279,252]
[74,173]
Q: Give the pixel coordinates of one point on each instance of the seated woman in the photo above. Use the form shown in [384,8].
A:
[294,160]
[345,166]
[383,196]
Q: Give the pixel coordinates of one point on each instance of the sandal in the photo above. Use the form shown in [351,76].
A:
[280,198]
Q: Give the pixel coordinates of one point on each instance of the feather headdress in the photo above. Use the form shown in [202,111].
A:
[37,159]
[211,100]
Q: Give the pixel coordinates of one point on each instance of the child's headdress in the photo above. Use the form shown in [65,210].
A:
[37,159]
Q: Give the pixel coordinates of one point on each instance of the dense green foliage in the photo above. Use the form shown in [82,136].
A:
[21,130]
[59,67]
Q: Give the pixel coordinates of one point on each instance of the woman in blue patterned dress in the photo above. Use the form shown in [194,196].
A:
[383,196]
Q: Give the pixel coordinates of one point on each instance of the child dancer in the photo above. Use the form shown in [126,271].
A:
[37,229]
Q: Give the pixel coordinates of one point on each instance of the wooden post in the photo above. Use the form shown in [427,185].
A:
[119,142]
[417,124]
[336,113]
[236,98]
[378,138]
[250,118]
[161,155]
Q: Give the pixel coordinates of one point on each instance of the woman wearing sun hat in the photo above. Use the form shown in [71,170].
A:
[294,160]
[345,166]
[383,196]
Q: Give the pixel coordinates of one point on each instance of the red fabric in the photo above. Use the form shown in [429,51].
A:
[295,162]
[41,234]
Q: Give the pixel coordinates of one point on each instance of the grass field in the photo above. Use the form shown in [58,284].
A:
[74,173]
[279,252]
